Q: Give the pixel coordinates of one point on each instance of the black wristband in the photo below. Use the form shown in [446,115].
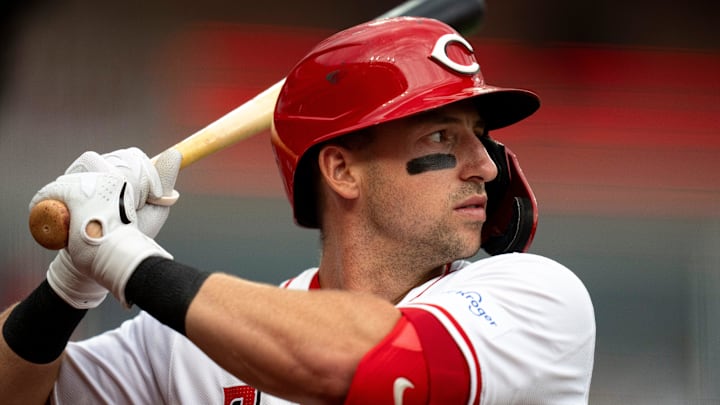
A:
[40,326]
[164,289]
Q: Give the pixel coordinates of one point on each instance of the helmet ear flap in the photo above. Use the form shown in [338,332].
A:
[512,208]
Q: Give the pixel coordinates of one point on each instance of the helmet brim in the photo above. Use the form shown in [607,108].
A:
[499,107]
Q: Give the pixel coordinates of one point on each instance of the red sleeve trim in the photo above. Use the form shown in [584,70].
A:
[448,370]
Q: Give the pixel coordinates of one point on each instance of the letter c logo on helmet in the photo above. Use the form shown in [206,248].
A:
[439,53]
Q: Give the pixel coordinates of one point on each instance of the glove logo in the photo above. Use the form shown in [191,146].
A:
[123,214]
[439,53]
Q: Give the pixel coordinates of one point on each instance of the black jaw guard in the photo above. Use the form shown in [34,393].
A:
[512,212]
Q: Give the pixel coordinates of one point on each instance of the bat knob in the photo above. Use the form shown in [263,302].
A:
[49,224]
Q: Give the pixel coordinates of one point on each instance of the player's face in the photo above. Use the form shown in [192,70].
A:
[426,183]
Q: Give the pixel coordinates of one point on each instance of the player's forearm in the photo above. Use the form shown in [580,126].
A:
[21,381]
[314,340]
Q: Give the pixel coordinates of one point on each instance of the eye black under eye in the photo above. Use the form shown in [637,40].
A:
[435,161]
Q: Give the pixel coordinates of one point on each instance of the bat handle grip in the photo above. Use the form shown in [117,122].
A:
[50,223]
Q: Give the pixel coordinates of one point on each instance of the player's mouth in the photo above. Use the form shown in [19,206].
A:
[473,207]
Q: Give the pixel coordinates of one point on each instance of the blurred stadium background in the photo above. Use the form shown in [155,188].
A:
[623,155]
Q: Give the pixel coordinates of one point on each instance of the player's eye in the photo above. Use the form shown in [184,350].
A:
[439,137]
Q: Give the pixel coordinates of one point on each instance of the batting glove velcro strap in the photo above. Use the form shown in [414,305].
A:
[119,254]
[74,287]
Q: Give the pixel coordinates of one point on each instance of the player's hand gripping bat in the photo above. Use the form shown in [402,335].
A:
[50,219]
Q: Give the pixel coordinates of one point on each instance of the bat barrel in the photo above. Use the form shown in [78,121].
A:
[463,15]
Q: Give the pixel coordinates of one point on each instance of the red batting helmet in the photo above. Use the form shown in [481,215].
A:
[380,71]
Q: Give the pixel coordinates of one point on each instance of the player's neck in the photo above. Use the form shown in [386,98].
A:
[376,268]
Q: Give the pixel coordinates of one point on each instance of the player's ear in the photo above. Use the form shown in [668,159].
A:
[335,164]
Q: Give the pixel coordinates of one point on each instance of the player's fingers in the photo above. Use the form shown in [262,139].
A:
[89,162]
[151,218]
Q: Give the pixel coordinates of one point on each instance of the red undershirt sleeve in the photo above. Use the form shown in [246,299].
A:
[418,362]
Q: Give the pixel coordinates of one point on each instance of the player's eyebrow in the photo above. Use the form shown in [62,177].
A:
[438,117]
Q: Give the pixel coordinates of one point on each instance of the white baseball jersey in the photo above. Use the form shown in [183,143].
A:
[524,326]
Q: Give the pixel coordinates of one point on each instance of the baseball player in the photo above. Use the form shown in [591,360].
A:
[382,138]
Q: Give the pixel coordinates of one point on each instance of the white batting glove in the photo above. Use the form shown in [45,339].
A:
[106,199]
[150,182]
[72,285]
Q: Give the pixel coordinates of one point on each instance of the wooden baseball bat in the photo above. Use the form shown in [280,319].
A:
[49,220]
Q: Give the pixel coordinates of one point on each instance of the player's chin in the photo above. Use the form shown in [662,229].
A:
[471,251]
[469,241]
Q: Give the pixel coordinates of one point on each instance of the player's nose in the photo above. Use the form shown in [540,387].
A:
[476,162]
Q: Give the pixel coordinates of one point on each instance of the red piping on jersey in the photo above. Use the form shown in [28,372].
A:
[314,282]
[445,273]
[476,401]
